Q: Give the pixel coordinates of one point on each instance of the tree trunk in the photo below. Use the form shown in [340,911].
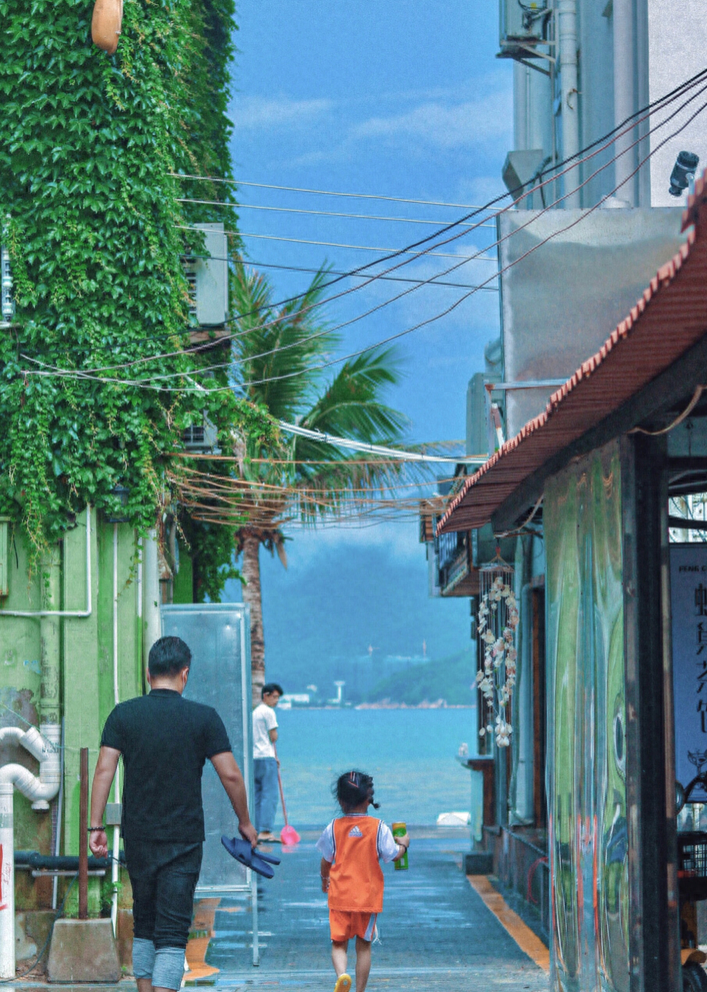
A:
[252,596]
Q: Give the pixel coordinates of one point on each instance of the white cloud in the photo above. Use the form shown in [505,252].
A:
[481,189]
[445,124]
[259,112]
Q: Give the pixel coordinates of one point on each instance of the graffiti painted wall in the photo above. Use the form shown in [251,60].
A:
[586,721]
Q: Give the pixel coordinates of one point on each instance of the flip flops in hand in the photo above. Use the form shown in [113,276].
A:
[244,853]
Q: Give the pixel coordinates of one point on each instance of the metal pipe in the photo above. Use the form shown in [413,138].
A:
[83,835]
[624,100]
[7,882]
[50,638]
[59,811]
[64,862]
[115,868]
[65,613]
[567,31]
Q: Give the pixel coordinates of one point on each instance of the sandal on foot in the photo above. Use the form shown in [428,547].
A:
[343,983]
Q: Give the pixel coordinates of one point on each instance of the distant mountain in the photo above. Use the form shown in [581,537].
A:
[449,679]
[332,605]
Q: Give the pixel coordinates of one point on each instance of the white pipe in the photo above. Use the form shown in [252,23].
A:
[139,578]
[567,30]
[11,735]
[624,99]
[378,449]
[7,883]
[115,877]
[65,613]
[150,593]
[44,747]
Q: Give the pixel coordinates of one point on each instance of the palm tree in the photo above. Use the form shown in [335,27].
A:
[276,354]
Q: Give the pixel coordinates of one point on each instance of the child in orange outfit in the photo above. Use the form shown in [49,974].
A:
[352,847]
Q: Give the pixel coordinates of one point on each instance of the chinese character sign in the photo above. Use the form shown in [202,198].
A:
[688,595]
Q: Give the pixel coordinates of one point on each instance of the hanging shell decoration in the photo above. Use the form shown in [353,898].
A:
[497,622]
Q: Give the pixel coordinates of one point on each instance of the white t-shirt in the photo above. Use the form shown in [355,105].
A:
[264,720]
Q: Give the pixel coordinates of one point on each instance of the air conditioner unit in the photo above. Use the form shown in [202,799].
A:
[7,305]
[207,279]
[522,26]
[201,438]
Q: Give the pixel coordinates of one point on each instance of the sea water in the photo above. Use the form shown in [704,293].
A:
[411,754]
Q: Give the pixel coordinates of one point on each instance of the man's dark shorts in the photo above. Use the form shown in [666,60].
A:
[163,876]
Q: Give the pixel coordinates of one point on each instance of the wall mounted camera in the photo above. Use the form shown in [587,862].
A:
[683,172]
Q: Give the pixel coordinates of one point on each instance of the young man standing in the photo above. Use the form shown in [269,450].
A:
[265,761]
[165,741]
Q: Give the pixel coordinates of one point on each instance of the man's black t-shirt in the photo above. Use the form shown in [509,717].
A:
[164,740]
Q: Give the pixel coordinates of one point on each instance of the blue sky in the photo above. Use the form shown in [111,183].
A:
[402,98]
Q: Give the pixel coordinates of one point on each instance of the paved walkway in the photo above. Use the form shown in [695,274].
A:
[436,933]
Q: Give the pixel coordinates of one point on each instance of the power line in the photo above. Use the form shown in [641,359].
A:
[334,244]
[406,292]
[525,254]
[669,98]
[317,213]
[659,102]
[617,130]
[326,192]
[375,449]
[300,268]
[144,383]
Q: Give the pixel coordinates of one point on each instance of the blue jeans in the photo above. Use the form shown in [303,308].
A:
[265,773]
[163,875]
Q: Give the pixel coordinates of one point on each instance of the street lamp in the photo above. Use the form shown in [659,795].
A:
[122,495]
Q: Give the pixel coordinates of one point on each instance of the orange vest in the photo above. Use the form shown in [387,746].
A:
[356,879]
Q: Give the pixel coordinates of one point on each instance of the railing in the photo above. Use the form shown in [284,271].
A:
[522,868]
[452,558]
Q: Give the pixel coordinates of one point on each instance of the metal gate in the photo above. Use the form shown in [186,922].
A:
[218,635]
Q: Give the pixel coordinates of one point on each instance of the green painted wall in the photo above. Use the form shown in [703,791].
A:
[85,689]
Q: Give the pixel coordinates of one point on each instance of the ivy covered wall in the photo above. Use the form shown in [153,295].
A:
[94,222]
[96,235]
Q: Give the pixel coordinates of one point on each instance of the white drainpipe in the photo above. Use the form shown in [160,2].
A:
[40,789]
[624,100]
[567,31]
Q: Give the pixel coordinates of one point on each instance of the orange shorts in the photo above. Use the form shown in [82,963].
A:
[345,925]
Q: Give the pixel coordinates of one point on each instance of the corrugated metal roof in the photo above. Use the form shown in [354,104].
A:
[670,317]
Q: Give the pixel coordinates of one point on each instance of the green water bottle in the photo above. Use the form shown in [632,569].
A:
[399,830]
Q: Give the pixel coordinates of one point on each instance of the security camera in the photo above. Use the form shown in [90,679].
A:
[683,172]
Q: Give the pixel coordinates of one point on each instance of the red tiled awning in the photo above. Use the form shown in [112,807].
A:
[670,317]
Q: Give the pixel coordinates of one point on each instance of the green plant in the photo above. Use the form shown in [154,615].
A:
[94,232]
[277,359]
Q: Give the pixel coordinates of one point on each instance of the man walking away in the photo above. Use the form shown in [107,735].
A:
[265,761]
[165,741]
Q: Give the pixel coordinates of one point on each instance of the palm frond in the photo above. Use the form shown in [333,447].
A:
[276,349]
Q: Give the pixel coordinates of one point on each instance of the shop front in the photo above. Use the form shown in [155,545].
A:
[609,473]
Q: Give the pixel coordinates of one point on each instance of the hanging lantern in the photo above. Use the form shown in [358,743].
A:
[496,627]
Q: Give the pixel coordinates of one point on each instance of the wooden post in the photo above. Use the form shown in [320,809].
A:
[83,836]
[486,766]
